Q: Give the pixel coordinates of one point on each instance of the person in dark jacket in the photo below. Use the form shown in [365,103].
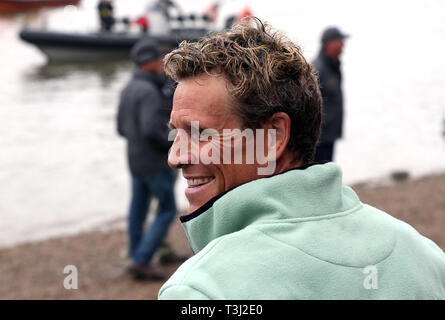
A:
[142,117]
[328,66]
[106,17]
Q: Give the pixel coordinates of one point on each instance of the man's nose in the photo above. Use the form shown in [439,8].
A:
[174,154]
[176,160]
[181,152]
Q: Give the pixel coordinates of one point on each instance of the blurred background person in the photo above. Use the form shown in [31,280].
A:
[244,15]
[106,15]
[142,117]
[159,16]
[212,11]
[328,65]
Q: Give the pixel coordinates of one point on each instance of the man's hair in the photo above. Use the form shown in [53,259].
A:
[266,73]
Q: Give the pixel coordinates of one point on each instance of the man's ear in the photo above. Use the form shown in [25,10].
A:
[281,123]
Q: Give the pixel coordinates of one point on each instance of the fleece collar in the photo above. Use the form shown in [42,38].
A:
[158,79]
[301,193]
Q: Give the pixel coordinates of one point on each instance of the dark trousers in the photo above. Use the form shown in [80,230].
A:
[106,24]
[324,152]
[142,244]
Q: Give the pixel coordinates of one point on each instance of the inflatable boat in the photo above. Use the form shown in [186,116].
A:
[69,47]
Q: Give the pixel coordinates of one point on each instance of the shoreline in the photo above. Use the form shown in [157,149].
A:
[35,270]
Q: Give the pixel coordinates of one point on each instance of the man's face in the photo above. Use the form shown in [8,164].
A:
[205,99]
[160,66]
[334,47]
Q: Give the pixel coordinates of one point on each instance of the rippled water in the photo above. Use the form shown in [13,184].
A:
[62,165]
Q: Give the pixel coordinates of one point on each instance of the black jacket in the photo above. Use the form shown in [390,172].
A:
[144,111]
[331,90]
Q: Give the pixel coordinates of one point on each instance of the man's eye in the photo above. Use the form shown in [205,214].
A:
[210,134]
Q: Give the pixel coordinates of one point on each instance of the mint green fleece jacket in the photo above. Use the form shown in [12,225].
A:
[302,234]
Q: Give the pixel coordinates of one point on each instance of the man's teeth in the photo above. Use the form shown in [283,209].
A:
[197,182]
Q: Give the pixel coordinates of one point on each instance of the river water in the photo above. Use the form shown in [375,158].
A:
[62,165]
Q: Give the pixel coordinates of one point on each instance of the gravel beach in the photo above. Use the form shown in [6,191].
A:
[35,270]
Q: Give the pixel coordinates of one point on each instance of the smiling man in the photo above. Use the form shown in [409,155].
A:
[203,100]
[245,96]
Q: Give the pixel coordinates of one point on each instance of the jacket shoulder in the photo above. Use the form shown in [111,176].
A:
[139,88]
[235,266]
[186,281]
[319,259]
[318,64]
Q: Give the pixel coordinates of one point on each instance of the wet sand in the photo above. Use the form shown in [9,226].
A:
[35,270]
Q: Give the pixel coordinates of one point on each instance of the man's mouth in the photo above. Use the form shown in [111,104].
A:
[194,182]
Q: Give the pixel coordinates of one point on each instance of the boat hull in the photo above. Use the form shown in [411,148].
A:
[60,54]
[78,47]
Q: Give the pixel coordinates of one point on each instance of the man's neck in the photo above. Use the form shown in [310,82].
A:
[286,162]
